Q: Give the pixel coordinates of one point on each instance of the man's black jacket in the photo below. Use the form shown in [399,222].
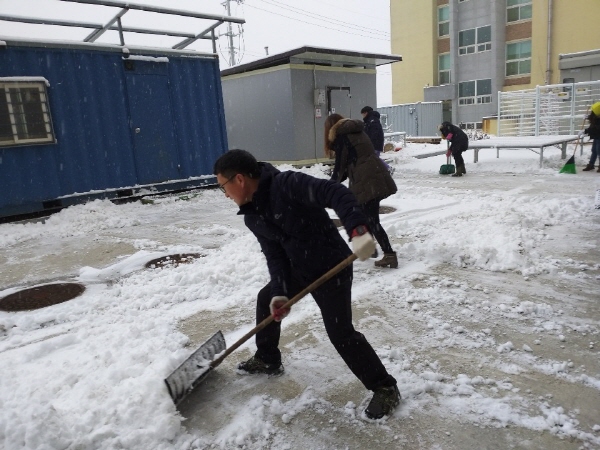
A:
[288,217]
[374,129]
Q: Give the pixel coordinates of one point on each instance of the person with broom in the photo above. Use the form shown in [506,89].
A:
[286,211]
[593,131]
[459,142]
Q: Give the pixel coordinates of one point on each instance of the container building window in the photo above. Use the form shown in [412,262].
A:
[518,10]
[24,113]
[518,58]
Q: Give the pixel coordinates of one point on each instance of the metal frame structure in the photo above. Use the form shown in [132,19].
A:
[557,109]
[523,142]
[100,29]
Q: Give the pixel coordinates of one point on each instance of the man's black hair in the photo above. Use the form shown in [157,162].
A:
[237,161]
[366,109]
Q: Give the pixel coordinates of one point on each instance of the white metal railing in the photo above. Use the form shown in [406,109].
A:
[546,110]
[397,136]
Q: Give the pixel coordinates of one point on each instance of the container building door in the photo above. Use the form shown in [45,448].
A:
[338,101]
[151,121]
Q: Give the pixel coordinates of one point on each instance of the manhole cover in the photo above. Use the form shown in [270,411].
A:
[172,260]
[41,296]
[382,210]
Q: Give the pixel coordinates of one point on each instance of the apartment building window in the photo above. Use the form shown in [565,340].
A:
[518,10]
[471,126]
[475,40]
[475,92]
[444,69]
[443,21]
[24,113]
[518,58]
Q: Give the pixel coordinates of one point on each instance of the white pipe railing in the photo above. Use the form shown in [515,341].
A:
[557,109]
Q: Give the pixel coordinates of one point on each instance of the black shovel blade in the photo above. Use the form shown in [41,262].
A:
[195,368]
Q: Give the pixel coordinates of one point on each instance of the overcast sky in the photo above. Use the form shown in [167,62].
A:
[279,25]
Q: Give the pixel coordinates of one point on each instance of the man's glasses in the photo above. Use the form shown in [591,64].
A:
[222,186]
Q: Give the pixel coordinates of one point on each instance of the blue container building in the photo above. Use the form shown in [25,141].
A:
[82,120]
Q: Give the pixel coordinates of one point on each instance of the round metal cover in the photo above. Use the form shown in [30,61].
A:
[172,260]
[41,296]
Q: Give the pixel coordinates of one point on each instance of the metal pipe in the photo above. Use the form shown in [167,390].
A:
[121,37]
[96,26]
[549,44]
[201,35]
[537,111]
[498,128]
[177,12]
[96,34]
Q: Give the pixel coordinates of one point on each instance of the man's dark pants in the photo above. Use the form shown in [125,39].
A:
[334,300]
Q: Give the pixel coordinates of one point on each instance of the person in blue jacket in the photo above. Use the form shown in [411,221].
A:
[459,142]
[286,212]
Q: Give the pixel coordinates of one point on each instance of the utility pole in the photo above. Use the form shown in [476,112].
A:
[230,35]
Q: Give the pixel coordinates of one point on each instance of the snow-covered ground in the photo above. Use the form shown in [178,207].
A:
[490,324]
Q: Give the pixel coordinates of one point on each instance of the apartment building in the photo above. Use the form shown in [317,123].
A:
[462,52]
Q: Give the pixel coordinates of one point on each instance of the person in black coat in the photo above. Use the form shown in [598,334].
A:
[373,128]
[459,142]
[286,212]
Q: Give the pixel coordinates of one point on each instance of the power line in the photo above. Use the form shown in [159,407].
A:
[315,24]
[327,19]
[347,9]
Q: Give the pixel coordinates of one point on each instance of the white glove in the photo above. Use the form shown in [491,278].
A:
[275,306]
[581,134]
[363,246]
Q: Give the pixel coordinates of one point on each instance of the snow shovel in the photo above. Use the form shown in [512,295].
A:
[198,365]
[448,168]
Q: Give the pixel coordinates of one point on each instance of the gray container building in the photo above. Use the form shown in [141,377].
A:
[276,107]
[415,119]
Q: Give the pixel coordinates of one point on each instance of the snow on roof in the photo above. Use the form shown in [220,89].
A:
[25,79]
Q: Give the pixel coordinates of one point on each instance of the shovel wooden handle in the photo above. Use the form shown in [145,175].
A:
[308,289]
